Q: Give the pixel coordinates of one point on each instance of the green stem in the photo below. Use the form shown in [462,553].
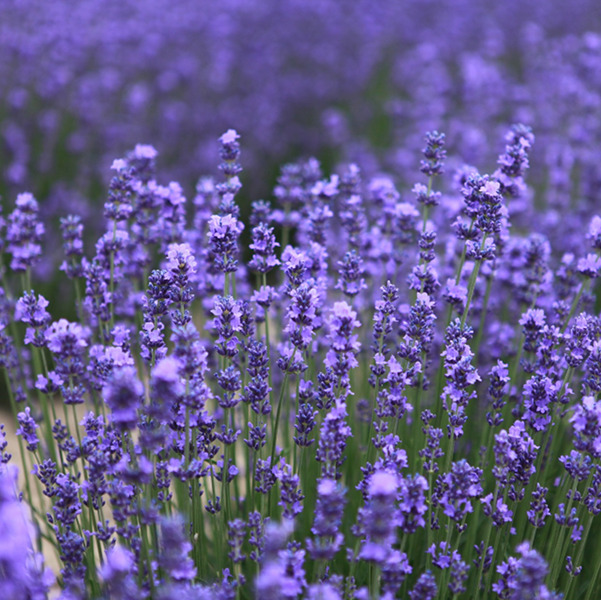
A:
[578,560]
[594,582]
[276,422]
[112,277]
[267,343]
[472,283]
[557,546]
[480,333]
[486,541]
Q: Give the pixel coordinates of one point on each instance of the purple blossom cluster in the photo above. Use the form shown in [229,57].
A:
[363,387]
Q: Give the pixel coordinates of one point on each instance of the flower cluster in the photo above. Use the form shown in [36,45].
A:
[324,421]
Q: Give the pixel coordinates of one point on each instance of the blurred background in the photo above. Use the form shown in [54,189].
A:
[353,80]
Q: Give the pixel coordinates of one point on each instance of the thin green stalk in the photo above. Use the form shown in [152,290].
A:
[480,333]
[486,541]
[375,581]
[472,283]
[276,422]
[112,277]
[462,259]
[557,545]
[578,560]
[268,344]
[594,584]
[492,570]
[43,400]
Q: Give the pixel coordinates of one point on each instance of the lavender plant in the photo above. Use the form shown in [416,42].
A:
[328,421]
[356,81]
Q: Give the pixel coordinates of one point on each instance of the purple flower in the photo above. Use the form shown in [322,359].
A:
[524,577]
[586,422]
[384,316]
[515,453]
[23,572]
[323,591]
[514,162]
[98,297]
[457,489]
[229,381]
[332,440]
[532,322]
[72,231]
[302,315]
[394,572]
[235,539]
[412,503]
[350,279]
[257,389]
[223,242]
[425,587]
[27,429]
[264,245]
[423,197]
[282,573]
[434,154]
[66,500]
[295,265]
[171,220]
[491,211]
[344,344]
[174,550]
[305,415]
[328,519]
[230,153]
[181,266]
[432,451]
[291,497]
[539,397]
[539,509]
[378,519]
[123,394]
[274,582]
[256,535]
[426,244]
[265,477]
[589,265]
[290,361]
[227,322]
[117,573]
[4,456]
[592,365]
[500,513]
[326,188]
[443,558]
[460,375]
[34,313]
[166,388]
[577,465]
[499,378]
[594,232]
[180,260]
[152,341]
[121,192]
[67,339]
[24,233]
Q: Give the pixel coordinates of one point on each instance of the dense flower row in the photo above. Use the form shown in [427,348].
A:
[358,81]
[399,398]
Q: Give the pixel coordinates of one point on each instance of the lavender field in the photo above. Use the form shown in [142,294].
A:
[299,300]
